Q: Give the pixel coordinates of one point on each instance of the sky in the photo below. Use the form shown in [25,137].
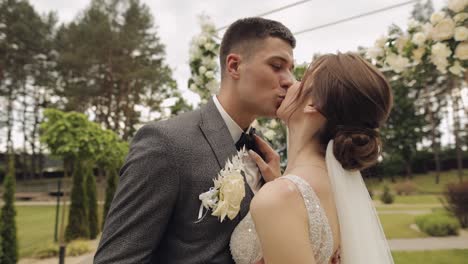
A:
[177,22]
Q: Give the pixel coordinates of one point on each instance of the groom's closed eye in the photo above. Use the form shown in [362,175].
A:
[276,66]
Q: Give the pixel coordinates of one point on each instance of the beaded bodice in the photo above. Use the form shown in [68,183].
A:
[245,245]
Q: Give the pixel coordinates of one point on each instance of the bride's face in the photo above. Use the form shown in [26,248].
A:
[289,105]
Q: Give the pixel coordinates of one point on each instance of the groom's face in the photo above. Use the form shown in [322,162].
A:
[265,76]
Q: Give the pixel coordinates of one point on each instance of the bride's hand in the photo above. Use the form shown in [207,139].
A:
[270,167]
[260,262]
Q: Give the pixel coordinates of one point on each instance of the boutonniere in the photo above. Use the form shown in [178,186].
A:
[225,197]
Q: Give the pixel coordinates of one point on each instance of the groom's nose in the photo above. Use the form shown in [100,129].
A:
[287,81]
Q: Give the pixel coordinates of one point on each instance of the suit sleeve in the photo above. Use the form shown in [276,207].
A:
[143,203]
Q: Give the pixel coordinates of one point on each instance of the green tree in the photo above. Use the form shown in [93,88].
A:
[111,61]
[8,231]
[111,157]
[92,206]
[422,12]
[78,221]
[77,140]
[17,20]
[1,245]
[300,69]
[180,106]
[26,65]
[403,130]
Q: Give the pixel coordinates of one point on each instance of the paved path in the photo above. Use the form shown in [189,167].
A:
[410,211]
[84,259]
[429,243]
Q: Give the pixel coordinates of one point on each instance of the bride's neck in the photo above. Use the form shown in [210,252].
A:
[302,150]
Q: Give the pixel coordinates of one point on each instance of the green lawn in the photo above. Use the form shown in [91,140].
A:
[398,226]
[417,199]
[35,225]
[424,182]
[431,257]
[408,207]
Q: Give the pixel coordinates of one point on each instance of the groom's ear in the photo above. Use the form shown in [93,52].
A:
[232,65]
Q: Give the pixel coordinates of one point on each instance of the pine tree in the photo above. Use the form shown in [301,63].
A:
[78,224]
[8,231]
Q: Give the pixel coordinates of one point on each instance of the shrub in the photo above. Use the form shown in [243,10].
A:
[48,251]
[387,197]
[439,224]
[405,188]
[92,206]
[74,248]
[456,196]
[8,214]
[78,224]
[78,247]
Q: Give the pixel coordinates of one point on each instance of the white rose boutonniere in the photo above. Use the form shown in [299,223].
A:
[225,198]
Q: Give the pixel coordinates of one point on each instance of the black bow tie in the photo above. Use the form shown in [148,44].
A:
[247,140]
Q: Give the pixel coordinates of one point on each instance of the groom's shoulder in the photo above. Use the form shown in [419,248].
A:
[172,127]
[179,122]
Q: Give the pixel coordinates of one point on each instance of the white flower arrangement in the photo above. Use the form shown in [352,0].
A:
[419,38]
[224,199]
[203,61]
[442,43]
[457,5]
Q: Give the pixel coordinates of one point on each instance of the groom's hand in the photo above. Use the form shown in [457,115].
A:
[270,167]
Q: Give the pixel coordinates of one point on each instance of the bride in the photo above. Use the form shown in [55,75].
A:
[319,211]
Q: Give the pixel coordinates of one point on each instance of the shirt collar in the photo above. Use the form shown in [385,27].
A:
[234,129]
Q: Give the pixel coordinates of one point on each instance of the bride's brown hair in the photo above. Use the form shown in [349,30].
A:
[356,99]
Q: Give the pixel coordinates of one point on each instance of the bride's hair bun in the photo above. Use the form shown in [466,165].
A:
[355,98]
[356,148]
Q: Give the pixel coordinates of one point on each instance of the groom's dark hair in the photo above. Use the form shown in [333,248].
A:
[242,36]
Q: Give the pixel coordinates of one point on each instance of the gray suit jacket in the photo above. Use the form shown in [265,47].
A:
[152,217]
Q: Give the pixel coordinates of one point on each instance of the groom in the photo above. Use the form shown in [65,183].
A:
[153,214]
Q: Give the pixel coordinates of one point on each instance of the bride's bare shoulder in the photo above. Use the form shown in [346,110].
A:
[276,195]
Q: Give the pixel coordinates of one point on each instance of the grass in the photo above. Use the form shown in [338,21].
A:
[408,207]
[420,200]
[457,256]
[35,225]
[424,182]
[398,226]
[417,199]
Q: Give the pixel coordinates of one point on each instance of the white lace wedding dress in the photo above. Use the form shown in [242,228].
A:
[246,248]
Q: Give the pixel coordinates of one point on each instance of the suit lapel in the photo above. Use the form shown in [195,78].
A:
[217,134]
